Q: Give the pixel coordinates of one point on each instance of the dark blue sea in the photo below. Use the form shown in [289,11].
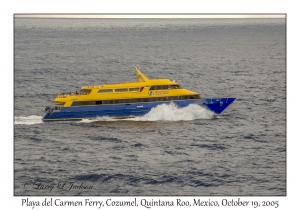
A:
[169,151]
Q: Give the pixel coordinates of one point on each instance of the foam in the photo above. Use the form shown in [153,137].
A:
[170,112]
[28,120]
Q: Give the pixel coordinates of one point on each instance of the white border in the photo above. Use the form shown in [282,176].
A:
[9,8]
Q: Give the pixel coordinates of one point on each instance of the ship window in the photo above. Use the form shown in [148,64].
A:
[160,99]
[153,88]
[105,91]
[173,87]
[162,87]
[195,97]
[98,102]
[83,103]
[134,89]
[132,100]
[121,90]
[84,92]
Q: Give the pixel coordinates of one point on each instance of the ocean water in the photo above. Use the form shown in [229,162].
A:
[169,151]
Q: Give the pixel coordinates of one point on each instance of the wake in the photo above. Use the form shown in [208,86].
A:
[28,120]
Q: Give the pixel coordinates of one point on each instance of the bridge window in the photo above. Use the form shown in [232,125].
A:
[173,87]
[160,87]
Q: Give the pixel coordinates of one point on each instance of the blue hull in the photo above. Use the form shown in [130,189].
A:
[216,105]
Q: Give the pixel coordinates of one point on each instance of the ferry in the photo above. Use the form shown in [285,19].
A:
[127,100]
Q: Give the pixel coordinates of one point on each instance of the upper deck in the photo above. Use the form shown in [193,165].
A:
[132,84]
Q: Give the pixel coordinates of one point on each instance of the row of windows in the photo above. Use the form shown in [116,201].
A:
[84,103]
[159,87]
[137,100]
[119,90]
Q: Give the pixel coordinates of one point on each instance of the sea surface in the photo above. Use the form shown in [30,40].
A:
[169,151]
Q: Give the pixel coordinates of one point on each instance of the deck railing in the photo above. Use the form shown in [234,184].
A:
[64,95]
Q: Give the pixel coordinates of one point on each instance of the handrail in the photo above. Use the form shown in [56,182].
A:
[64,95]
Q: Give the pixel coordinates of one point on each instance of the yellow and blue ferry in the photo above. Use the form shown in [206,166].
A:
[127,100]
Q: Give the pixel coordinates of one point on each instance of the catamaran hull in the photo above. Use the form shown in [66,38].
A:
[216,105]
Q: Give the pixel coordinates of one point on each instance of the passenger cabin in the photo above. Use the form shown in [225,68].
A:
[142,91]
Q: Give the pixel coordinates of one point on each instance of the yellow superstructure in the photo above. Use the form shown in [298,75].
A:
[128,92]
